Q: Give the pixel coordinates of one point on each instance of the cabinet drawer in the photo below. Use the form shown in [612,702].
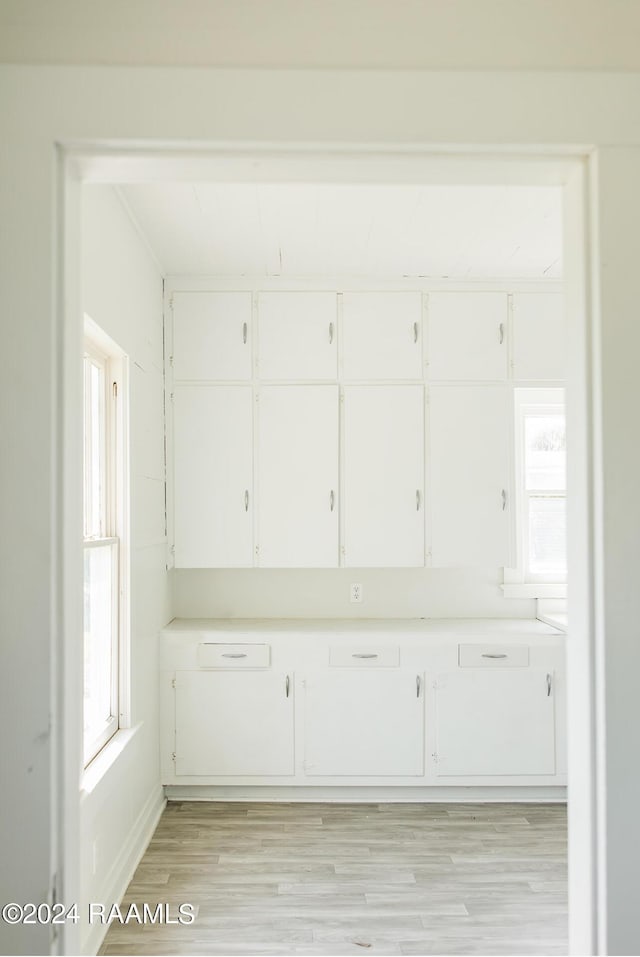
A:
[363,656]
[218,655]
[493,656]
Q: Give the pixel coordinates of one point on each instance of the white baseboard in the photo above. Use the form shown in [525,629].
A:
[125,864]
[365,795]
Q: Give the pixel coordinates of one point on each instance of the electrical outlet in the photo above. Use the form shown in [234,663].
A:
[355,594]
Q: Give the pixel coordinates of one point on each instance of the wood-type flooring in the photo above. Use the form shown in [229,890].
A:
[279,879]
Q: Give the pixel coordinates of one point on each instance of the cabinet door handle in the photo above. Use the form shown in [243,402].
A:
[418,686]
[503,496]
[287,686]
[548,686]
[245,330]
[501,330]
[486,655]
[418,499]
[415,332]
[246,500]
[330,333]
[364,654]
[233,654]
[332,499]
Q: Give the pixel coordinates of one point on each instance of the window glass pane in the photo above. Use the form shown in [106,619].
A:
[94,451]
[545,452]
[547,534]
[99,623]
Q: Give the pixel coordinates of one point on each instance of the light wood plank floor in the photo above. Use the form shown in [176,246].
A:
[354,879]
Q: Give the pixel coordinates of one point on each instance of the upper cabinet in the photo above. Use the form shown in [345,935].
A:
[467,336]
[298,476]
[213,476]
[212,336]
[469,475]
[539,338]
[381,335]
[297,335]
[315,401]
[384,475]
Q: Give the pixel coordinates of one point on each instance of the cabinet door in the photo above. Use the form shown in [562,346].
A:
[359,722]
[213,476]
[298,476]
[234,723]
[297,335]
[467,336]
[211,336]
[539,342]
[383,476]
[469,439]
[382,335]
[496,723]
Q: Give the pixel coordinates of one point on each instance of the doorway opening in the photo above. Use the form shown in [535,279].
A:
[381,223]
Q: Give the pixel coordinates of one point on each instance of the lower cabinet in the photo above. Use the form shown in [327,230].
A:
[364,723]
[495,723]
[284,704]
[233,723]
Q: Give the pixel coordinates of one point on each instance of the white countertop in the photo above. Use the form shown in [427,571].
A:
[426,627]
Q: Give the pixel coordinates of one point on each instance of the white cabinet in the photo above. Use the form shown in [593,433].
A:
[348,487]
[421,703]
[384,475]
[381,335]
[298,476]
[363,723]
[233,723]
[297,335]
[467,336]
[213,476]
[539,340]
[495,722]
[211,336]
[469,475]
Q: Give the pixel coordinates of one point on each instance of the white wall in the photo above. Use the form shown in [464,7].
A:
[42,107]
[304,593]
[122,292]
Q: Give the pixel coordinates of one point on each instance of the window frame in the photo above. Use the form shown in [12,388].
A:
[531,401]
[102,351]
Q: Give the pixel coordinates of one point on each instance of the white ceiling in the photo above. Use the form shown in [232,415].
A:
[328,229]
[351,34]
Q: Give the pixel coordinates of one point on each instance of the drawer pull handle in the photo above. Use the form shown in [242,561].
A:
[330,333]
[332,499]
[246,500]
[364,655]
[415,332]
[287,686]
[503,495]
[418,499]
[501,328]
[484,655]
[548,686]
[244,332]
[418,684]
[234,654]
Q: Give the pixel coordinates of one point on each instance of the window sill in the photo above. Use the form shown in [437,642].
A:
[105,759]
[535,590]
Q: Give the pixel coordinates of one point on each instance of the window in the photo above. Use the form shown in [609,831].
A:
[541,451]
[105,560]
